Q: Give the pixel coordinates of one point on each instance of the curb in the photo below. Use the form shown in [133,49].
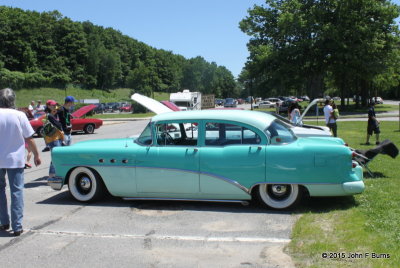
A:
[125,119]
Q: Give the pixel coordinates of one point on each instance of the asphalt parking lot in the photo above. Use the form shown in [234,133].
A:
[60,232]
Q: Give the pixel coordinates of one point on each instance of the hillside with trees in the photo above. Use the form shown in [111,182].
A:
[341,47]
[49,50]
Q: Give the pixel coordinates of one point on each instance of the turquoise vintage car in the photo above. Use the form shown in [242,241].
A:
[211,155]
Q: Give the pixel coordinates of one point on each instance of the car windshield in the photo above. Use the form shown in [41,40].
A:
[279,133]
[145,138]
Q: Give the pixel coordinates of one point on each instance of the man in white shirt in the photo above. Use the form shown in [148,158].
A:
[15,130]
[329,118]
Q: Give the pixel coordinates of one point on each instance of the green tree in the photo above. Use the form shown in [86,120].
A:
[296,43]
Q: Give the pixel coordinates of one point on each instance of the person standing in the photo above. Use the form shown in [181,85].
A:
[32,107]
[329,118]
[64,116]
[15,129]
[39,106]
[56,137]
[373,124]
[294,114]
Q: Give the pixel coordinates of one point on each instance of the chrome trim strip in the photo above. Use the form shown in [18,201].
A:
[234,183]
[243,202]
[298,183]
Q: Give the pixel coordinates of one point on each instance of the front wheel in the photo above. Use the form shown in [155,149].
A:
[279,196]
[89,129]
[85,185]
[39,132]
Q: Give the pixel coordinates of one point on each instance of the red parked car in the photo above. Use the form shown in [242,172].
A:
[126,108]
[87,125]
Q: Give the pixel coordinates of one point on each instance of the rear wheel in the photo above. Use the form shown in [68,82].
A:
[89,129]
[85,185]
[279,196]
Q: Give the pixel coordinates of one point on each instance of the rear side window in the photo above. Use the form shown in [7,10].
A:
[279,134]
[221,134]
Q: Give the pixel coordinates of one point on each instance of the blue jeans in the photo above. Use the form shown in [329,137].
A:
[16,181]
[67,139]
[51,145]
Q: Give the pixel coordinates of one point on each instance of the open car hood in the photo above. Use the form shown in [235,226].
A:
[315,101]
[151,104]
[84,110]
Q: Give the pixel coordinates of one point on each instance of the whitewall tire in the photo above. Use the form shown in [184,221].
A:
[85,185]
[279,196]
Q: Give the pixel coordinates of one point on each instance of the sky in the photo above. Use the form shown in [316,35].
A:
[207,28]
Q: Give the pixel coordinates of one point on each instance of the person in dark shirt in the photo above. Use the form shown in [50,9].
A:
[373,124]
[64,116]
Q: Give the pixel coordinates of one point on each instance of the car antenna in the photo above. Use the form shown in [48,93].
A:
[126,142]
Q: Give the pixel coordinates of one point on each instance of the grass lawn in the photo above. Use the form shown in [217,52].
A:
[25,96]
[366,223]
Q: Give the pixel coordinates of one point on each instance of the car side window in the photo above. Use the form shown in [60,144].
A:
[279,134]
[177,134]
[145,137]
[221,134]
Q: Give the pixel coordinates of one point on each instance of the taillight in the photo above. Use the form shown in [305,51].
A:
[354,164]
[354,154]
[346,144]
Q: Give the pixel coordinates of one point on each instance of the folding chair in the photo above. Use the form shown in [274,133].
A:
[363,157]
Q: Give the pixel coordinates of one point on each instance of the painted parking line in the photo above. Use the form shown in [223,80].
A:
[168,237]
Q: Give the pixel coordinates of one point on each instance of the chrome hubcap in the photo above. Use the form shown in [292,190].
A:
[279,189]
[85,183]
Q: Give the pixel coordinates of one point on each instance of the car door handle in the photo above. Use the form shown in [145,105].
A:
[194,149]
[257,147]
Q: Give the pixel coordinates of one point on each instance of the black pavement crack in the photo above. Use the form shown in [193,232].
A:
[18,239]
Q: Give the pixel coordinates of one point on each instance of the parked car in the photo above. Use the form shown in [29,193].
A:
[304,130]
[126,108]
[265,104]
[219,102]
[99,109]
[284,106]
[111,107]
[378,100]
[171,106]
[276,100]
[230,102]
[214,155]
[87,125]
